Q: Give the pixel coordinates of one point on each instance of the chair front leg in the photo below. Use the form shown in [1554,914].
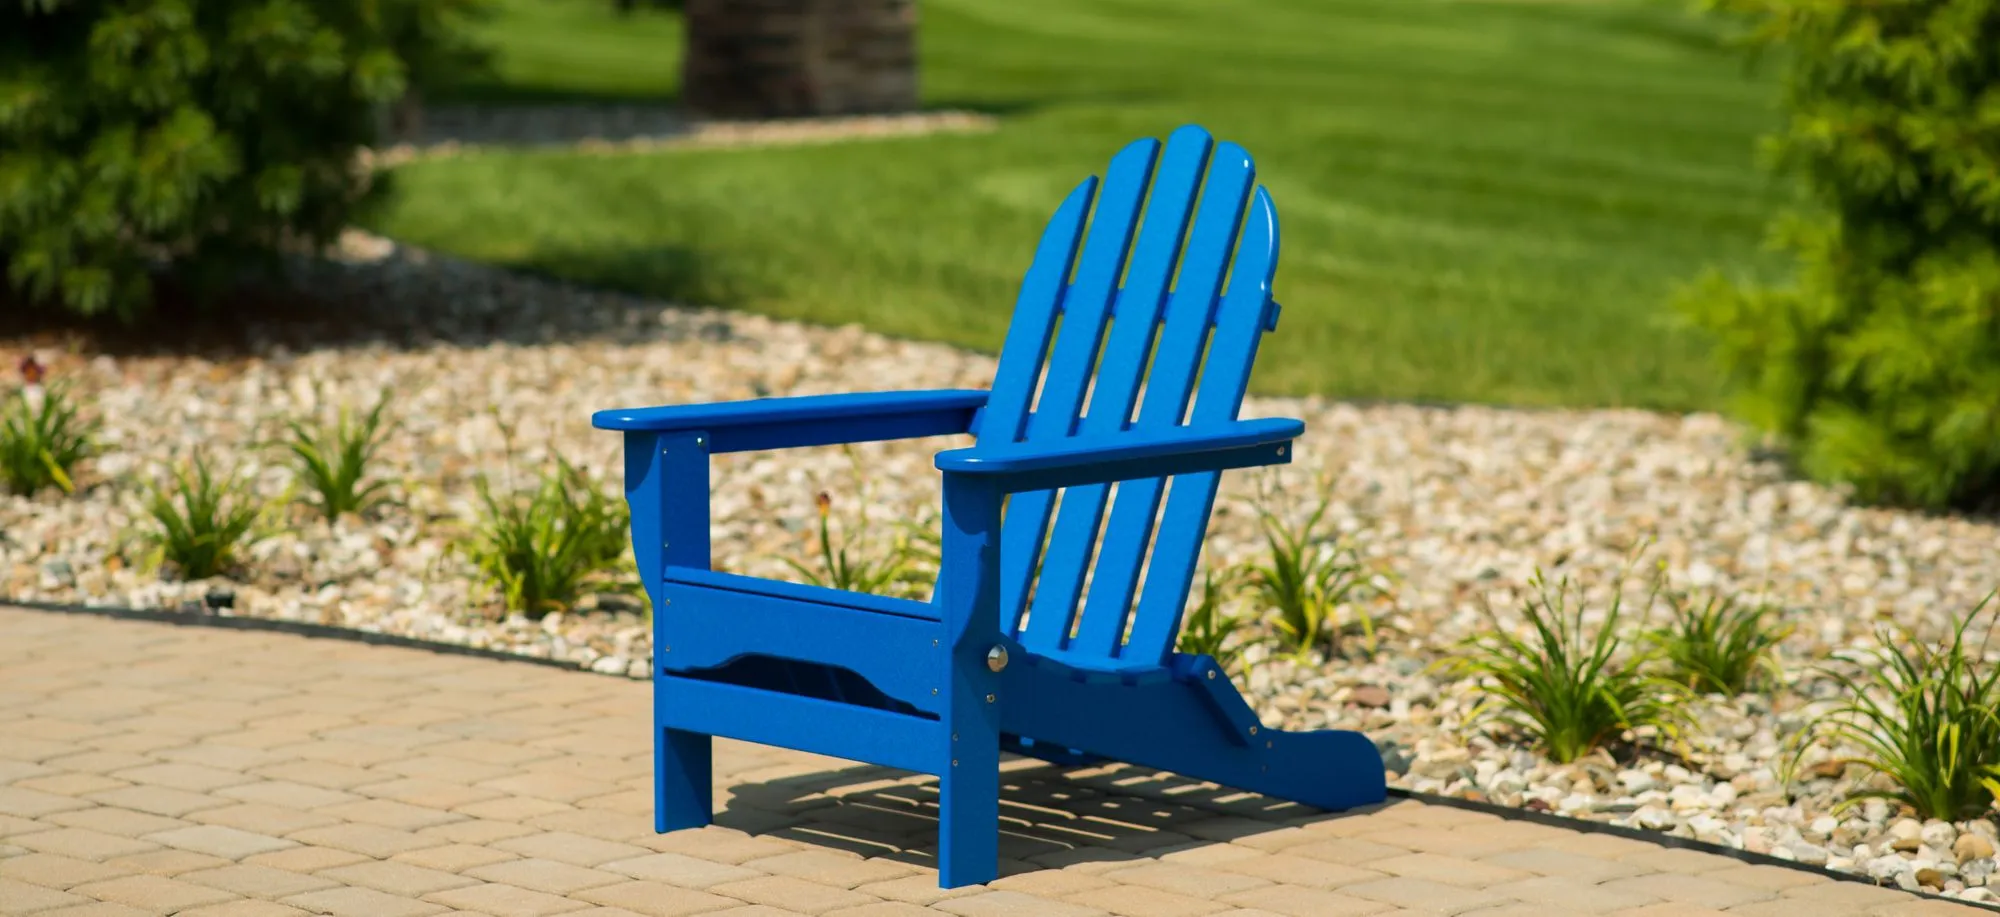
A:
[666,486]
[969,597]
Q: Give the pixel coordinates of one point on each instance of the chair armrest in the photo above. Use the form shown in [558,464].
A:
[806,420]
[1127,454]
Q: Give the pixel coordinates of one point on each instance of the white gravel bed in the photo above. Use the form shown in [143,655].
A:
[1459,504]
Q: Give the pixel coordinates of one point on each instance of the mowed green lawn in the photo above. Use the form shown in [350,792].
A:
[1480,201]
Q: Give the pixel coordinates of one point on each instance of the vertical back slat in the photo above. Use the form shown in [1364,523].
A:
[1028,333]
[1084,309]
[1133,323]
[1239,323]
[1167,386]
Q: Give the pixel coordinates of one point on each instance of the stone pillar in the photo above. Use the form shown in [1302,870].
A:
[798,58]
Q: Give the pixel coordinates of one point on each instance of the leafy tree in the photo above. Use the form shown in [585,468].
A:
[1879,365]
[197,135]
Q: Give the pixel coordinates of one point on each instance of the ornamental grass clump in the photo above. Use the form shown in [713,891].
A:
[545,548]
[1924,715]
[201,519]
[1571,691]
[1308,578]
[1720,646]
[1210,629]
[332,459]
[43,435]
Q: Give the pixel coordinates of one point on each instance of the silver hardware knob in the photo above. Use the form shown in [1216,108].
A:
[996,658]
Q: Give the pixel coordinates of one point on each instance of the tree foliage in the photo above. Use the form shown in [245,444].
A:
[1880,363]
[137,135]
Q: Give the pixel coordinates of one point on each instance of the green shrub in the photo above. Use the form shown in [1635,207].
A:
[333,459]
[1570,692]
[1306,580]
[1879,365]
[542,549]
[140,134]
[1719,646]
[1209,630]
[1928,718]
[201,520]
[42,435]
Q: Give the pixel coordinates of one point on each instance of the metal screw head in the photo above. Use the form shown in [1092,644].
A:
[1281,450]
[996,658]
[1211,674]
[1253,730]
[954,762]
[701,440]
[989,698]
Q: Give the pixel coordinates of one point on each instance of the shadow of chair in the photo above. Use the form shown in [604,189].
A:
[1050,816]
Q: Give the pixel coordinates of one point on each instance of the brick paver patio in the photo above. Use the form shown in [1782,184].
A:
[152,769]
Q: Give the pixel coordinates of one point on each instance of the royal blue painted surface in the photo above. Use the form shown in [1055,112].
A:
[802,592]
[1124,307]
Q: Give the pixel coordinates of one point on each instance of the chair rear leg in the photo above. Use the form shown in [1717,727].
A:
[684,768]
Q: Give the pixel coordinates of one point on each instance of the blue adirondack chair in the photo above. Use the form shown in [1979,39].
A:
[1009,653]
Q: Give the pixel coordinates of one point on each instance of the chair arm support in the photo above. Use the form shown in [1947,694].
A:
[1126,455]
[806,420]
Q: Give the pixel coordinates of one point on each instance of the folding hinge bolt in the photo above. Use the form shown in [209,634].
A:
[996,658]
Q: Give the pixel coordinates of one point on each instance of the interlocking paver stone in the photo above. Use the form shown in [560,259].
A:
[83,843]
[167,862]
[1012,904]
[98,909]
[347,901]
[684,871]
[244,909]
[1306,902]
[544,875]
[1548,862]
[217,840]
[257,881]
[830,868]
[565,847]
[26,803]
[23,898]
[158,800]
[453,857]
[1422,894]
[372,840]
[56,871]
[795,894]
[1696,889]
[397,878]
[239,774]
[1140,901]
[155,892]
[655,899]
